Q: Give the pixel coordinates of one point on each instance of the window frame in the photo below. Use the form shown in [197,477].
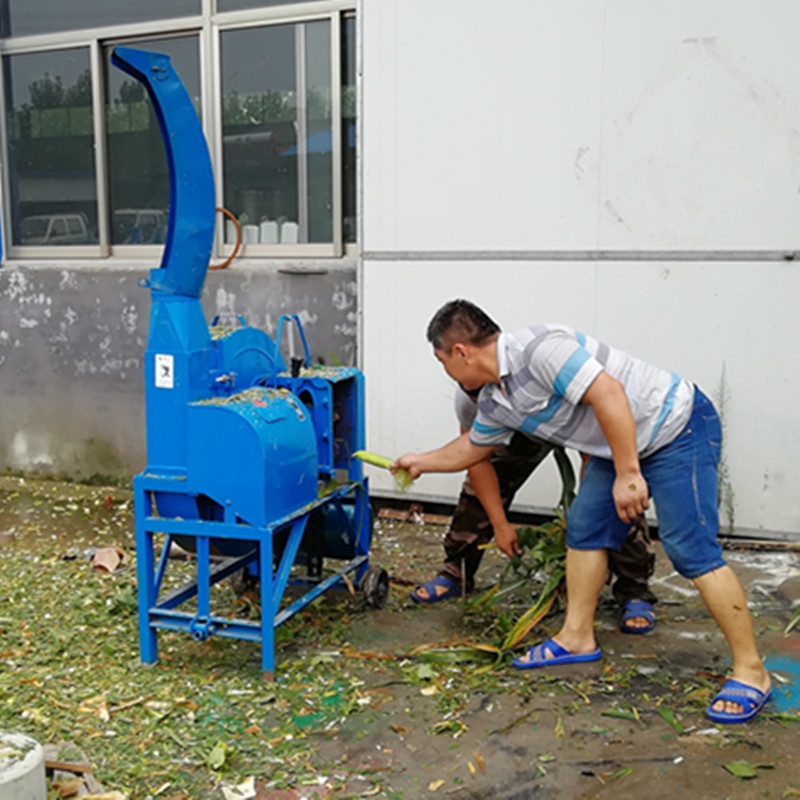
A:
[208,28]
[335,248]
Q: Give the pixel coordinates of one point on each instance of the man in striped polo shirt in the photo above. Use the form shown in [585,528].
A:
[647,431]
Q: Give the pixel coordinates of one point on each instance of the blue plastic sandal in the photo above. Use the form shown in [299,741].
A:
[751,699]
[551,654]
[637,608]
[452,589]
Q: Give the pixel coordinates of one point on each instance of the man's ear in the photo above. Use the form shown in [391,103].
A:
[460,350]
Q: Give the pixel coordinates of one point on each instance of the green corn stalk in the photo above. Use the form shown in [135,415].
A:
[544,553]
[459,655]
[537,612]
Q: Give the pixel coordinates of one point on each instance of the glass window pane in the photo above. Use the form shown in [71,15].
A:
[349,128]
[319,137]
[276,127]
[25,17]
[236,5]
[138,173]
[51,148]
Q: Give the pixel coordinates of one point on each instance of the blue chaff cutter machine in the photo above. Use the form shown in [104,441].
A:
[293,494]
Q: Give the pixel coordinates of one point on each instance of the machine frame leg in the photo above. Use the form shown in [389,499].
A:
[145,565]
[267,613]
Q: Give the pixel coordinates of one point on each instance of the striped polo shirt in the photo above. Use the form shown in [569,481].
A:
[544,372]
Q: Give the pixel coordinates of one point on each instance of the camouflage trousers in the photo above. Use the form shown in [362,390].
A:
[631,567]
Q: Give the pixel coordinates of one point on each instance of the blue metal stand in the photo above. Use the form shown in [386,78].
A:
[161,612]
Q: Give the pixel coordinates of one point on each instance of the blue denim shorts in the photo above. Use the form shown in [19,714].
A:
[682,478]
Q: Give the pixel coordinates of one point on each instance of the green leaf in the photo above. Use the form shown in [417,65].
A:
[794,621]
[217,757]
[537,611]
[460,655]
[668,715]
[455,726]
[425,672]
[567,472]
[623,772]
[619,714]
[741,769]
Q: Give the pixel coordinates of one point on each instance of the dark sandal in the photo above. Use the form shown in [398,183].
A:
[452,589]
[637,608]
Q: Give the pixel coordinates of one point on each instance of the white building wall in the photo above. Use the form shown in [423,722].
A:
[631,169]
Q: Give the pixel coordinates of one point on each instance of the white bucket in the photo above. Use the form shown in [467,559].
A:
[21,768]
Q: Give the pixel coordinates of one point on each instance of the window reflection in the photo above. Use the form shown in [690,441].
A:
[138,173]
[25,17]
[317,44]
[276,126]
[236,5]
[349,128]
[51,148]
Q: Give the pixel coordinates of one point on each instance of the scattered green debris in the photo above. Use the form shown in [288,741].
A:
[218,756]
[742,769]
[668,715]
[201,722]
[622,772]
[632,714]
[793,622]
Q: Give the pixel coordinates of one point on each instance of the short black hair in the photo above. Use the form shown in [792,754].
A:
[460,321]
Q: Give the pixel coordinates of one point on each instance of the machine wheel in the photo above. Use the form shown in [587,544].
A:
[375,586]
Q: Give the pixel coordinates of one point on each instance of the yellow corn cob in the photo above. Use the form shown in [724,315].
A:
[402,480]
[373,458]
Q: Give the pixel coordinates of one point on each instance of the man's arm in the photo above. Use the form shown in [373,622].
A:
[607,398]
[453,457]
[462,454]
[484,482]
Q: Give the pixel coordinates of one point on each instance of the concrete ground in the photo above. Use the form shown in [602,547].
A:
[552,737]
[361,707]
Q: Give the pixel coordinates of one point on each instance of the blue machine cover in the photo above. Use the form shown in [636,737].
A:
[256,451]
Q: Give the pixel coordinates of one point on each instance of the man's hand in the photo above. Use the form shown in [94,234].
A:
[409,462]
[505,536]
[630,496]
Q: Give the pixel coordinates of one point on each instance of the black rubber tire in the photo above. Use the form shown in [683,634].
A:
[375,586]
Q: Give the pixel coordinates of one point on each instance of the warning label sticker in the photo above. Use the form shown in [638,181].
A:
[165,371]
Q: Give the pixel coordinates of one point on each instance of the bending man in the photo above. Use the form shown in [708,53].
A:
[646,430]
